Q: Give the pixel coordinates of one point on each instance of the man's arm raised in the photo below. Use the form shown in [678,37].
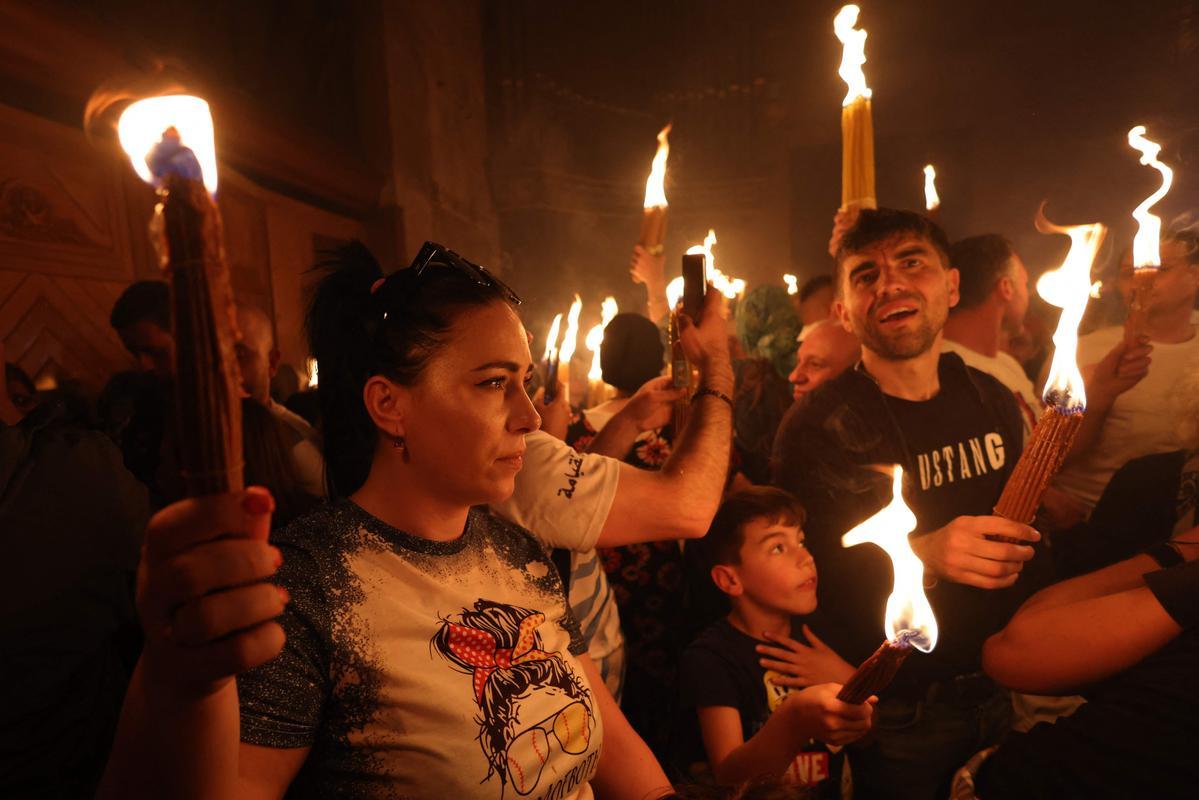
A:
[680,500]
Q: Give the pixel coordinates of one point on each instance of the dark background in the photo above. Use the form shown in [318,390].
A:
[521,131]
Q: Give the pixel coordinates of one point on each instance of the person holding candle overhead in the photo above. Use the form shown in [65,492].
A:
[1129,386]
[957,432]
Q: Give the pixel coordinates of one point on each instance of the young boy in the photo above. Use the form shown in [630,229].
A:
[740,673]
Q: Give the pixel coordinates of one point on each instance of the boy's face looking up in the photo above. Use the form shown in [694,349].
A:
[776,572]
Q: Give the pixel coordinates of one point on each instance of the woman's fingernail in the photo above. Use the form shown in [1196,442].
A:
[258,501]
[284,595]
[277,557]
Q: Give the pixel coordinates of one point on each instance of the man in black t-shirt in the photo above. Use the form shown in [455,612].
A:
[957,434]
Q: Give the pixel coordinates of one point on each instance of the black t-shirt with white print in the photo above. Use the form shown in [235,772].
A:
[423,669]
[722,668]
[957,450]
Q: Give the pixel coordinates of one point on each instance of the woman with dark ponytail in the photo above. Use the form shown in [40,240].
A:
[409,643]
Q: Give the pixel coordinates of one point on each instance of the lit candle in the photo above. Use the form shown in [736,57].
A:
[653,220]
[1069,288]
[171,145]
[909,620]
[570,341]
[1146,245]
[932,201]
[857,126]
[549,361]
[596,390]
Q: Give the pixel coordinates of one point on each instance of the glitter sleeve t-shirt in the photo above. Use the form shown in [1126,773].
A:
[416,668]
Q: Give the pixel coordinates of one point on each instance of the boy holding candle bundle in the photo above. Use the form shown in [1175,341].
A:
[739,674]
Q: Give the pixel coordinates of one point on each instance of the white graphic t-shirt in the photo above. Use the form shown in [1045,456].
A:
[1142,421]
[1007,371]
[559,489]
[422,669]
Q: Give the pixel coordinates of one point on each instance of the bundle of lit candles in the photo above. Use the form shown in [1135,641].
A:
[171,145]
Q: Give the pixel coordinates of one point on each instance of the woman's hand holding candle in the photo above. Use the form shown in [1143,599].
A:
[555,415]
[205,606]
[964,552]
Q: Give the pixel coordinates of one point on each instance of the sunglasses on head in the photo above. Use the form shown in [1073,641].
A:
[433,255]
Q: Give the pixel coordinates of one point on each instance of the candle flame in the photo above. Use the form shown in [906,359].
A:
[655,185]
[931,199]
[312,373]
[1069,288]
[909,615]
[570,339]
[142,125]
[674,293]
[729,287]
[1146,251]
[853,55]
[792,283]
[595,337]
[551,340]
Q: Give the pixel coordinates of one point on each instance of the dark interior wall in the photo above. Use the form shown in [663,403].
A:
[1014,102]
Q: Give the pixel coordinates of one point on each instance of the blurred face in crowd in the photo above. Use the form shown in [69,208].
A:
[826,351]
[1016,292]
[153,347]
[817,306]
[256,353]
[896,295]
[776,571]
[1176,284]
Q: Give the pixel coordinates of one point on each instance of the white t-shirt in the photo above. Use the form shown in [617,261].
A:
[1007,371]
[560,489]
[1142,420]
[425,669]
[305,449]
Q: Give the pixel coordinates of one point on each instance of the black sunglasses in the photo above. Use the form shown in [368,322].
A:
[434,255]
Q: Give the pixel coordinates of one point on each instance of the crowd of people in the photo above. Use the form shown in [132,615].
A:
[441,585]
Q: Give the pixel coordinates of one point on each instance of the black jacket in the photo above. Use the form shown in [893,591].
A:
[827,453]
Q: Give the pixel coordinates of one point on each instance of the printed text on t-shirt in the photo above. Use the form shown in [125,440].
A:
[961,461]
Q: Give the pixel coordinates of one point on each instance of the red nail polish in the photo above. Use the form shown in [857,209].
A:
[257,500]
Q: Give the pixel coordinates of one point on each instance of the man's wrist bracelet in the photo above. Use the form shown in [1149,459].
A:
[714,393]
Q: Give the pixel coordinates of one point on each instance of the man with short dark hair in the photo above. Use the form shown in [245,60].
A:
[993,285]
[957,433]
[816,300]
[142,319]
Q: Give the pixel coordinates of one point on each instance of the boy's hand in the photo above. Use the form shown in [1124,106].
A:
[969,550]
[202,592]
[802,665]
[818,714]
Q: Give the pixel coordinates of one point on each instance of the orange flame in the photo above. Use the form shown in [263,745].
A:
[312,373]
[729,287]
[570,339]
[1069,288]
[551,340]
[792,283]
[931,199]
[595,337]
[1146,251]
[142,124]
[853,54]
[655,185]
[909,615]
